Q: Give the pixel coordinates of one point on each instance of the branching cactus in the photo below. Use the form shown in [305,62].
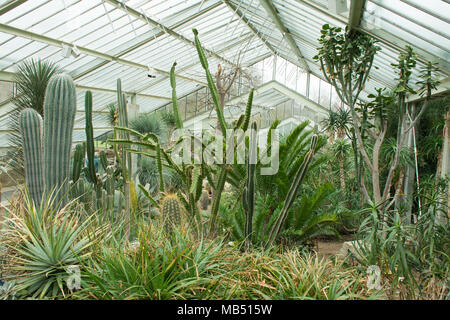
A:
[59,116]
[30,126]
[290,197]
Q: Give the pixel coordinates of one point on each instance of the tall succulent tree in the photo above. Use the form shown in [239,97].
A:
[346,59]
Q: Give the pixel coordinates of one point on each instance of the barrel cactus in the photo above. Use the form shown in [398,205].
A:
[30,126]
[171,211]
[59,116]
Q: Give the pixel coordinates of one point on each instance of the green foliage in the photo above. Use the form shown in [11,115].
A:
[292,192]
[346,59]
[148,123]
[44,245]
[157,266]
[310,219]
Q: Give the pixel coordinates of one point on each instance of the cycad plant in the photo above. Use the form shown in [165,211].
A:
[31,80]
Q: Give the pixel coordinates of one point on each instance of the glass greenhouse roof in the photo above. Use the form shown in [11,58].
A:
[121,39]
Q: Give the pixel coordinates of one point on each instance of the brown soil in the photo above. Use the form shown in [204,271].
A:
[329,248]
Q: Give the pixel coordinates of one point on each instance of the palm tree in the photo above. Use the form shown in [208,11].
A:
[149,123]
[338,123]
[31,80]
[340,150]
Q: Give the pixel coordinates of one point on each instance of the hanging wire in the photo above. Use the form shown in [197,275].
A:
[129,17]
[107,15]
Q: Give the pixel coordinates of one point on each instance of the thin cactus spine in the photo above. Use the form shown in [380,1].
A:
[30,126]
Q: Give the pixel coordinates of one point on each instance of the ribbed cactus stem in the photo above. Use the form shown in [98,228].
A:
[89,130]
[78,159]
[103,160]
[171,211]
[176,112]
[59,116]
[248,110]
[219,189]
[160,169]
[125,161]
[30,127]
[211,85]
[250,184]
[298,179]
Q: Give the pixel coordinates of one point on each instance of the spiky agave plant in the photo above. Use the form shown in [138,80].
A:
[31,80]
[46,245]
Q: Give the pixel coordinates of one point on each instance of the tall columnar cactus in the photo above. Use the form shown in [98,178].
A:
[78,160]
[248,196]
[59,116]
[211,85]
[89,130]
[290,197]
[103,160]
[30,126]
[109,187]
[176,113]
[171,211]
[125,159]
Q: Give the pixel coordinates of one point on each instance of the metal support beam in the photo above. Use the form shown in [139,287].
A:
[241,15]
[244,39]
[167,30]
[355,15]
[131,47]
[130,93]
[9,77]
[59,43]
[388,39]
[273,15]
[8,6]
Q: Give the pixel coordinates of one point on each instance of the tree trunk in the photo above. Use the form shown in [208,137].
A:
[342,172]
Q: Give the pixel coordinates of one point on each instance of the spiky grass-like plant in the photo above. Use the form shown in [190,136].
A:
[45,246]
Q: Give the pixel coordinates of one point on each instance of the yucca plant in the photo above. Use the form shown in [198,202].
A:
[44,244]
